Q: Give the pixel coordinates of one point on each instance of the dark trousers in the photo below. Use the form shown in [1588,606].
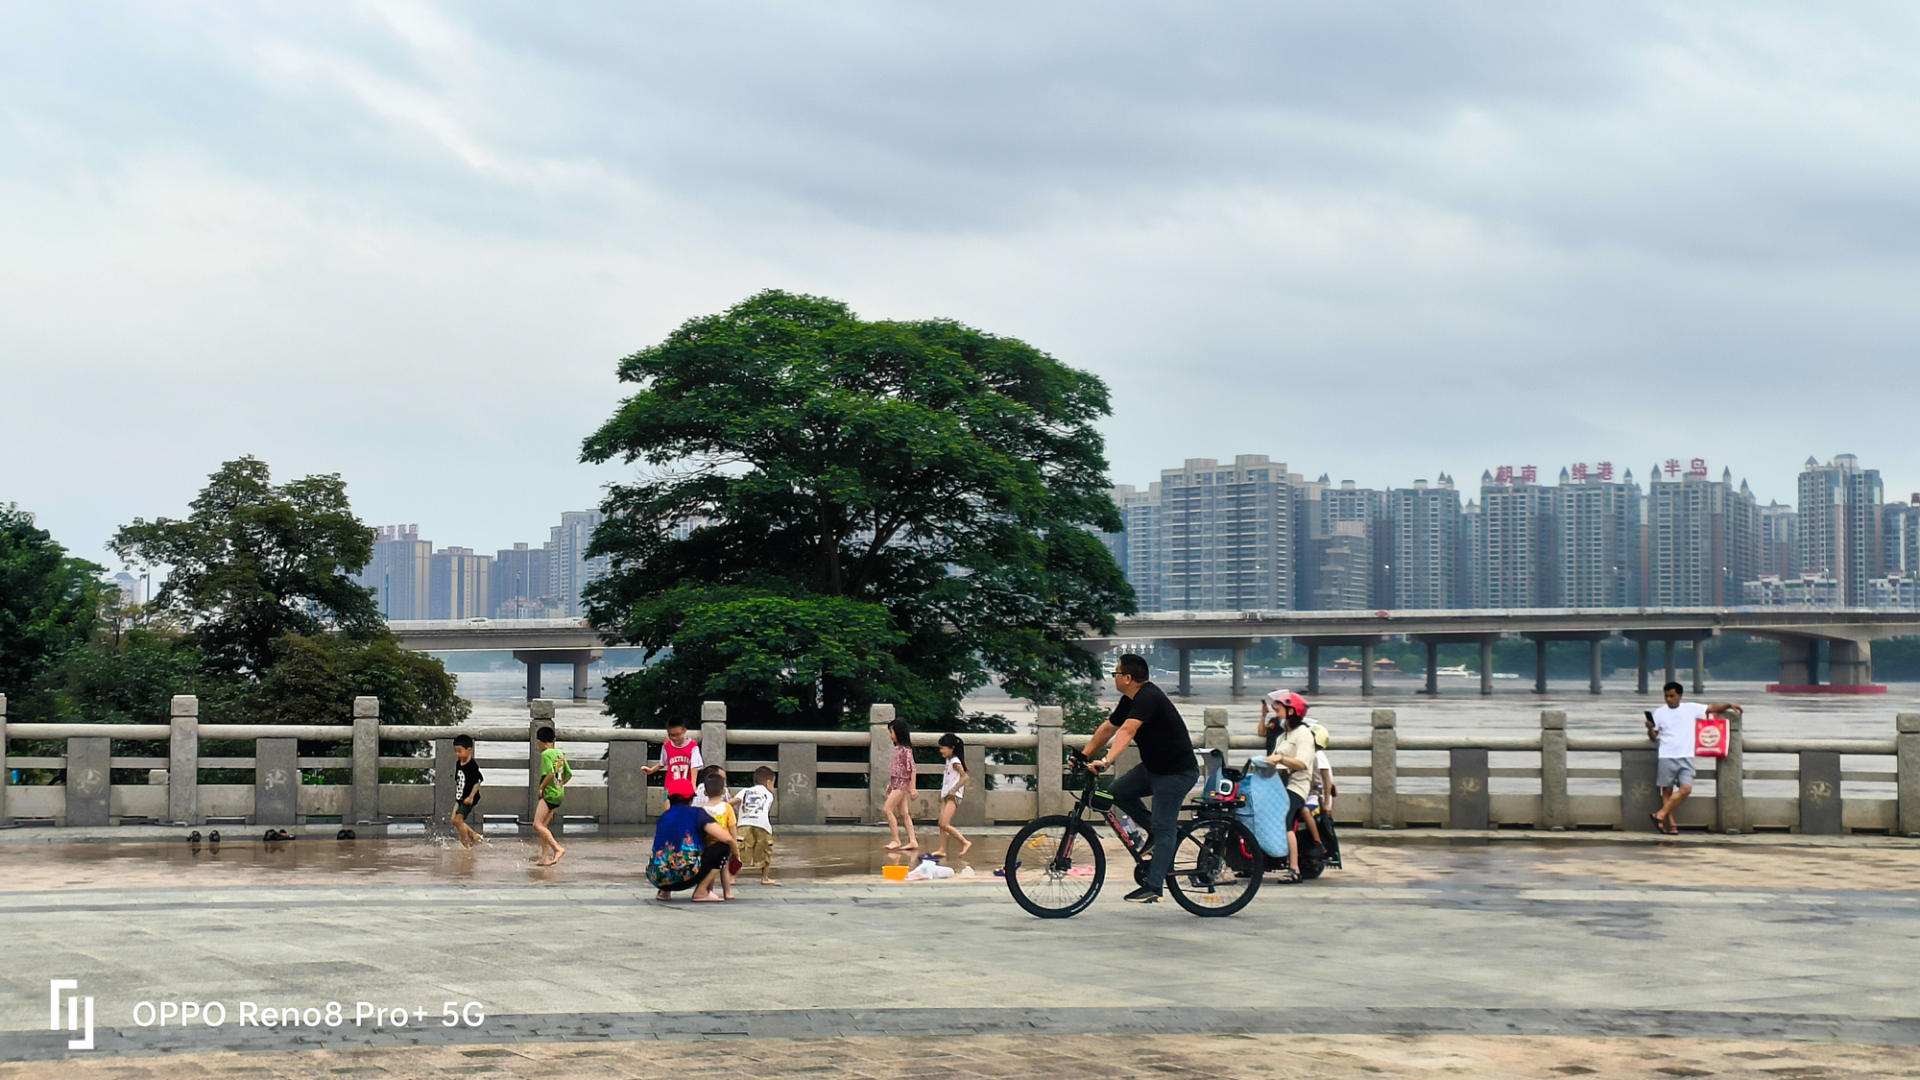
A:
[712,857]
[1168,793]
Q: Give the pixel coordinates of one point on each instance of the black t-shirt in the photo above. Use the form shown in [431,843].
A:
[1165,747]
[465,779]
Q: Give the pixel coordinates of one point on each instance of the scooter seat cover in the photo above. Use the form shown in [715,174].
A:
[1266,810]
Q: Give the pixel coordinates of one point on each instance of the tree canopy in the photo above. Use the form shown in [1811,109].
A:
[254,561]
[49,601]
[835,512]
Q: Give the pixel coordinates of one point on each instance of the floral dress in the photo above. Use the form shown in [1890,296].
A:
[900,775]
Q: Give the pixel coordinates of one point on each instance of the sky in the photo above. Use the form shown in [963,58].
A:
[408,243]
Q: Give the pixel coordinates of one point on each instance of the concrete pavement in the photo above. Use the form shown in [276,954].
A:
[1523,947]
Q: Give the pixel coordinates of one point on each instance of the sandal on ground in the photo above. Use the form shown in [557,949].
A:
[1670,829]
[1286,876]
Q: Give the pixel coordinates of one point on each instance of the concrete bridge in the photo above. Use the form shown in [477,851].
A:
[1845,636]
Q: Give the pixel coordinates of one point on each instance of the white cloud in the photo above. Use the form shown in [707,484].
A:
[408,242]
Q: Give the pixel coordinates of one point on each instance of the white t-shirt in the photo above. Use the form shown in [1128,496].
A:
[755,804]
[951,786]
[700,797]
[1320,765]
[1675,728]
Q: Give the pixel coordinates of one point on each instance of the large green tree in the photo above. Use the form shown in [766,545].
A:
[260,585]
[835,512]
[254,561]
[49,601]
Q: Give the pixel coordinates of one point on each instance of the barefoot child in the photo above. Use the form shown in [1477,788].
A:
[466,789]
[756,824]
[554,774]
[721,810]
[953,787]
[680,757]
[899,802]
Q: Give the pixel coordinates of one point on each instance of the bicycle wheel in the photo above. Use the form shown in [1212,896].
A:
[1055,867]
[1204,879]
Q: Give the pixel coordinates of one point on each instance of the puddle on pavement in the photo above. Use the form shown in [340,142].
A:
[505,858]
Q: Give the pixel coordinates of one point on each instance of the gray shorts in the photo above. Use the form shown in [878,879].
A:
[1673,772]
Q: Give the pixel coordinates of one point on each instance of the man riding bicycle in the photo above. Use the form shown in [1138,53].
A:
[1168,770]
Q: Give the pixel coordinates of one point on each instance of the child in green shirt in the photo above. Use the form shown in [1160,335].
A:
[554,774]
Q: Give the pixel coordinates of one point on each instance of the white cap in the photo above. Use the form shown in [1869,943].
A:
[1274,696]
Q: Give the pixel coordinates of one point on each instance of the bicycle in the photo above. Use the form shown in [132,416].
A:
[1056,864]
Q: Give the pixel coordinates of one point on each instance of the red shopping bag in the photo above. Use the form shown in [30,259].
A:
[1710,736]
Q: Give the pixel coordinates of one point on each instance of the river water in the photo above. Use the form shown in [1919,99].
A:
[498,697]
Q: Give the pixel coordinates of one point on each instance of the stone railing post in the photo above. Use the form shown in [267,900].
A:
[713,733]
[5,772]
[1907,759]
[183,761]
[626,783]
[972,810]
[1730,782]
[1213,735]
[366,761]
[1383,804]
[1049,759]
[879,760]
[1556,810]
[539,715]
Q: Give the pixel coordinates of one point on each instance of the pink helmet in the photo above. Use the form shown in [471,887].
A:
[1285,701]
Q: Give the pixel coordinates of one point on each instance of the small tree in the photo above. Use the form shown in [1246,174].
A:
[254,561]
[261,584]
[841,512]
[49,602]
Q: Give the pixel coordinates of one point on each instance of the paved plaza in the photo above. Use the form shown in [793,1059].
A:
[1426,956]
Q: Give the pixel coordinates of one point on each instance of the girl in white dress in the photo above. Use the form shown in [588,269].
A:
[953,787]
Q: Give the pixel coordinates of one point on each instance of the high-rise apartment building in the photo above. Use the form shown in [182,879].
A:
[1519,541]
[1703,537]
[1343,568]
[458,584]
[1229,535]
[1352,505]
[399,573]
[518,582]
[1840,535]
[1342,546]
[1427,559]
[1140,547]
[1473,540]
[569,571]
[1600,549]
[1779,541]
[1900,539]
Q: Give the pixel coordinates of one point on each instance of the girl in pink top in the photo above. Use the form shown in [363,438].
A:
[900,787]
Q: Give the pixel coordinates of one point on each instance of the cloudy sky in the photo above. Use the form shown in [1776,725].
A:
[408,243]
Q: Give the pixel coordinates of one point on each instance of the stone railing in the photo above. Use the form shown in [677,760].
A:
[1003,791]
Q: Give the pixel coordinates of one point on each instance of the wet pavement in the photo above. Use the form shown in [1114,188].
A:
[838,854]
[1468,957]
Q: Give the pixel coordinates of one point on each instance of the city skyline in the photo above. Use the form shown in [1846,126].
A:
[410,244]
[1250,534]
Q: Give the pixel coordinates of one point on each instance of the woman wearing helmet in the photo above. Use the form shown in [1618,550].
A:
[1290,747]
